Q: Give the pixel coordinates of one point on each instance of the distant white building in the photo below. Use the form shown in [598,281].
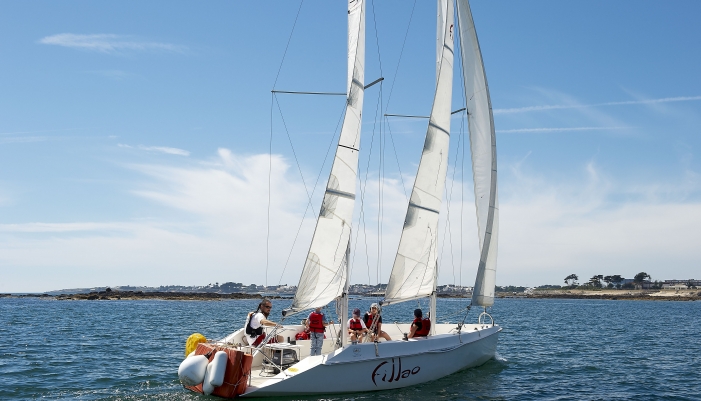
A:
[680,284]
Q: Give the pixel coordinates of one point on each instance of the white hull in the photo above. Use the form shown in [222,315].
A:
[357,367]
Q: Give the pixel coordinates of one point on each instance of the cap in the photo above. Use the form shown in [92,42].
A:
[356,312]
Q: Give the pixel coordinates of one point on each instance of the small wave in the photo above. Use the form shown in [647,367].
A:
[500,358]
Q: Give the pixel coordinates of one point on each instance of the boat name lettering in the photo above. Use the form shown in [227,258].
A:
[383,372]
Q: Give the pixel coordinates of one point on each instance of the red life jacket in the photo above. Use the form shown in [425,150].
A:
[355,324]
[316,322]
[425,327]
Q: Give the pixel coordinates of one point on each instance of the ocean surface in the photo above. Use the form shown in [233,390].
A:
[548,349]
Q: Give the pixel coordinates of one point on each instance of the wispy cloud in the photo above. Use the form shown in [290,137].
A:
[582,106]
[63,227]
[161,149]
[39,131]
[23,139]
[564,129]
[109,43]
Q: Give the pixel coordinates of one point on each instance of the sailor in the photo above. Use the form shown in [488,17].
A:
[356,326]
[316,323]
[420,327]
[373,321]
[255,322]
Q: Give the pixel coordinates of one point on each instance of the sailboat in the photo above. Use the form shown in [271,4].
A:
[348,367]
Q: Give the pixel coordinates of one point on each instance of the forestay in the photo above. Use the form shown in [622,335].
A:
[484,156]
[414,271]
[324,274]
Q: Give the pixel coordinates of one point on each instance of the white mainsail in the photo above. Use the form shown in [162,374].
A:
[415,267]
[484,156]
[324,275]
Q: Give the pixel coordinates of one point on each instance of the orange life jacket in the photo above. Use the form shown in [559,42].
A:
[425,327]
[316,322]
[355,324]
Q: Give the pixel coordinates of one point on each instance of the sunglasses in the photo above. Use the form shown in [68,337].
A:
[267,306]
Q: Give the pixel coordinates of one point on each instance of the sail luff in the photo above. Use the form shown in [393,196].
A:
[484,158]
[324,274]
[414,270]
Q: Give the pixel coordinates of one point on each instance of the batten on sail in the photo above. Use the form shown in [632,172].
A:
[324,274]
[415,270]
[484,157]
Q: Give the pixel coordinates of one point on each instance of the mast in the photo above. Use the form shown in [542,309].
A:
[344,301]
[484,156]
[415,267]
[324,276]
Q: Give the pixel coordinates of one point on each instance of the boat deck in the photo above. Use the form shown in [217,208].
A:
[264,374]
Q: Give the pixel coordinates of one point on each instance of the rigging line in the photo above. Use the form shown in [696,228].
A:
[377,38]
[288,43]
[380,204]
[396,71]
[364,186]
[462,134]
[462,196]
[401,177]
[309,196]
[362,215]
[316,184]
[448,226]
[270,161]
[270,173]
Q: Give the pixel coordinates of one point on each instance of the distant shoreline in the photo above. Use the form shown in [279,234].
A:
[614,295]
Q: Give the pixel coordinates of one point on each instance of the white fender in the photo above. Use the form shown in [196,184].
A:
[207,388]
[192,370]
[215,377]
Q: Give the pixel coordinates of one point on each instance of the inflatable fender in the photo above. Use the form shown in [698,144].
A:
[192,370]
[192,341]
[207,388]
[215,376]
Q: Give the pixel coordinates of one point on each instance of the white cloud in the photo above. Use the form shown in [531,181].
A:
[161,149]
[583,106]
[213,215]
[564,129]
[108,43]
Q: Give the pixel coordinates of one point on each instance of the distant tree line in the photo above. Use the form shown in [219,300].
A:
[614,281]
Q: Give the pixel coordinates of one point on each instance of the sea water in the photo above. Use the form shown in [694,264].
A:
[548,350]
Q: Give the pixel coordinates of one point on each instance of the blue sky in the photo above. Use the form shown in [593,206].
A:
[134,139]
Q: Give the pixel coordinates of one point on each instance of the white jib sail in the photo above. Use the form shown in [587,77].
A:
[484,156]
[324,274]
[414,272]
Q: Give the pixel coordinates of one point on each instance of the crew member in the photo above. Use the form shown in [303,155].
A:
[316,323]
[356,326]
[373,321]
[255,322]
[420,327]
